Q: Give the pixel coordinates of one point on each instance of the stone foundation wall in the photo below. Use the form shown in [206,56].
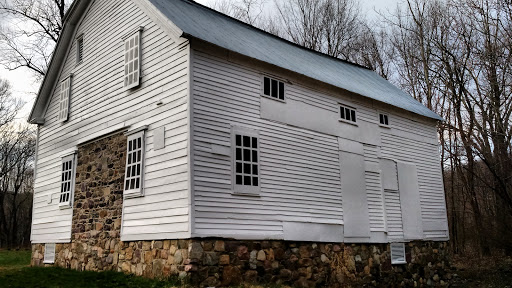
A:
[217,262]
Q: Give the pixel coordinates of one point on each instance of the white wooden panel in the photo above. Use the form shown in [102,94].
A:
[100,105]
[296,231]
[355,202]
[425,157]
[410,201]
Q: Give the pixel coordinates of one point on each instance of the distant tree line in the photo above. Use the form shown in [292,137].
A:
[454,56]
[17,144]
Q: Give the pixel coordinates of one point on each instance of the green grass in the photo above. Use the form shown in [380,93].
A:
[12,259]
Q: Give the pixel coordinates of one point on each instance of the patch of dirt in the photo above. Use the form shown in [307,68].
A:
[491,272]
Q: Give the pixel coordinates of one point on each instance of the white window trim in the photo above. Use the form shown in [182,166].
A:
[134,134]
[78,39]
[127,37]
[241,189]
[49,253]
[384,125]
[262,88]
[397,259]
[345,120]
[68,204]
[68,79]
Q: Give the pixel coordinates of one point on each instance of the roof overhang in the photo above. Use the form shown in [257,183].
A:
[73,16]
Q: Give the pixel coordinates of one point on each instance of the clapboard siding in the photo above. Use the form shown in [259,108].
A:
[299,169]
[393,215]
[374,190]
[426,158]
[99,102]
[300,178]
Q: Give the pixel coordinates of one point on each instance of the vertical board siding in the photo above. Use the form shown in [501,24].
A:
[98,101]
[299,169]
[426,158]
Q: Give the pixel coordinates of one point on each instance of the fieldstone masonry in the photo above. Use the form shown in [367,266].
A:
[96,245]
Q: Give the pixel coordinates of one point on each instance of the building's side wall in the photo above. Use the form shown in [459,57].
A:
[301,146]
[99,106]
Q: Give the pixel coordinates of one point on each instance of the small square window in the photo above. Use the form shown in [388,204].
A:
[383,119]
[347,113]
[273,88]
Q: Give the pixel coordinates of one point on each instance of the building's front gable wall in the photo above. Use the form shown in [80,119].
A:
[321,179]
[99,106]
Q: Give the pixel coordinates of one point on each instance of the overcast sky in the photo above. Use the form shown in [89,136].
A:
[24,85]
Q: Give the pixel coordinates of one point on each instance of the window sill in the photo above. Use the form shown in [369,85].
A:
[250,194]
[272,98]
[48,262]
[131,195]
[64,206]
[384,126]
[348,122]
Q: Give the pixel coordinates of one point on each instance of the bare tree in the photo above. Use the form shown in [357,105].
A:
[30,33]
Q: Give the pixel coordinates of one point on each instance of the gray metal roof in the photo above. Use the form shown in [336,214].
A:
[211,26]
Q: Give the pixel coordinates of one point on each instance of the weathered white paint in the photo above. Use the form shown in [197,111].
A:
[410,201]
[99,106]
[334,179]
[355,202]
[298,137]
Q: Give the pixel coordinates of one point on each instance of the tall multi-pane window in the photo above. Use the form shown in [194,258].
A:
[273,88]
[246,161]
[132,57]
[67,184]
[133,185]
[64,97]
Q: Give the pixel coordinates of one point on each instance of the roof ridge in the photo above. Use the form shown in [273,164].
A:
[192,2]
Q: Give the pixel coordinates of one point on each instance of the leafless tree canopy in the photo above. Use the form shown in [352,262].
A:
[17,145]
[29,32]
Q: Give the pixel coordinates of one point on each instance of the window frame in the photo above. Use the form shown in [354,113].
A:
[126,39]
[385,117]
[245,189]
[61,117]
[79,56]
[353,113]
[397,259]
[69,202]
[262,90]
[49,247]
[132,135]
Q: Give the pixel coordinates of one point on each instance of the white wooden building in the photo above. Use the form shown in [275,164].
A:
[242,134]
